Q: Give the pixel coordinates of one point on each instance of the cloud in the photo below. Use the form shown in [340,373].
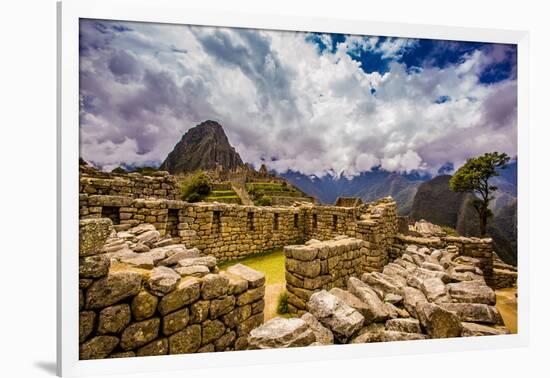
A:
[285,101]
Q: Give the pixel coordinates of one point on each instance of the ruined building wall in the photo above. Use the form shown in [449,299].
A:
[378,227]
[222,230]
[133,185]
[321,266]
[480,249]
[326,222]
[126,312]
[231,231]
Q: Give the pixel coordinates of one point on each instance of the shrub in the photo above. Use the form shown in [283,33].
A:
[282,303]
[264,201]
[196,187]
[193,197]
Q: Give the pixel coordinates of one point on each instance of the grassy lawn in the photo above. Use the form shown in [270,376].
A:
[271,263]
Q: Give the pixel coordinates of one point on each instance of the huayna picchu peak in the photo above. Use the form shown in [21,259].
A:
[203,147]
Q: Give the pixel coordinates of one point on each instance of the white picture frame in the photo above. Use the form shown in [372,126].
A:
[164,11]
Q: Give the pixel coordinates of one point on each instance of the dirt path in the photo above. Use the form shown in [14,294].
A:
[271,295]
[507,305]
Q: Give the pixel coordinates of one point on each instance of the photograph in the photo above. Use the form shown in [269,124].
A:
[248,189]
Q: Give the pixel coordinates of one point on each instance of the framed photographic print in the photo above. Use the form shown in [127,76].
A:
[239,188]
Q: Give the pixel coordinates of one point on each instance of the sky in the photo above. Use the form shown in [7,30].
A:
[309,102]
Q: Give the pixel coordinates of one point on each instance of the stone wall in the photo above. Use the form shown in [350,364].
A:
[325,222]
[233,231]
[131,310]
[504,275]
[378,227]
[480,249]
[321,266]
[133,185]
[223,230]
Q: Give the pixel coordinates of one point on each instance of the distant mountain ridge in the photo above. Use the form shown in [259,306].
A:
[203,147]
[368,186]
[436,203]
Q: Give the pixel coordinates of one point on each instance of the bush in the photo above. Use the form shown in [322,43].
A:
[264,201]
[196,187]
[282,303]
[194,197]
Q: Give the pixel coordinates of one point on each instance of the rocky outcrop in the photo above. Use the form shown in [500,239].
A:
[203,147]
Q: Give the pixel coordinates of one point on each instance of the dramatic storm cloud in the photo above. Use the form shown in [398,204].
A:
[315,103]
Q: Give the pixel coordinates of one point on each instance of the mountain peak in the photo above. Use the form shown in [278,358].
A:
[203,147]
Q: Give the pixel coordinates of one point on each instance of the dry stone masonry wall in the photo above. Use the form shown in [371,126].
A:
[159,184]
[378,227]
[427,293]
[139,299]
[321,266]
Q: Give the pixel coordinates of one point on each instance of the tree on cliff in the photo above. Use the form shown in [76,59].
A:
[473,177]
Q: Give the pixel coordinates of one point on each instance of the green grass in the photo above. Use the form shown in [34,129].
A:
[271,263]
[222,193]
[269,187]
[221,197]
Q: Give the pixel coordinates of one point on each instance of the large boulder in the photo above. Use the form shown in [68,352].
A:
[162,280]
[86,322]
[281,333]
[474,329]
[139,334]
[435,290]
[112,289]
[214,286]
[98,347]
[472,292]
[354,302]
[94,266]
[186,292]
[93,234]
[253,277]
[114,319]
[474,312]
[408,325]
[387,335]
[208,261]
[323,335]
[176,253]
[369,334]
[412,298]
[144,305]
[377,311]
[149,238]
[384,284]
[438,322]
[343,320]
[187,340]
[195,271]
